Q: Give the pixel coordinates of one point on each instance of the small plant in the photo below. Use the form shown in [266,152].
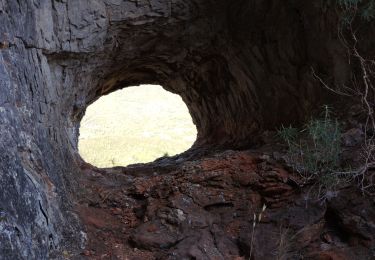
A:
[348,3]
[113,162]
[315,150]
[289,135]
[361,90]
[288,246]
[256,220]
[364,8]
[284,244]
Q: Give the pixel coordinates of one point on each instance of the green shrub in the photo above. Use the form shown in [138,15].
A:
[314,152]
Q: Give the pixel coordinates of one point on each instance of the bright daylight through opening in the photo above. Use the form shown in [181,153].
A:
[135,125]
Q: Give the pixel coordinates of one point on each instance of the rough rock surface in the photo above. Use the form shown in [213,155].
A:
[240,66]
[204,210]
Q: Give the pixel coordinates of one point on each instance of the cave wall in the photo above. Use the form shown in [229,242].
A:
[241,67]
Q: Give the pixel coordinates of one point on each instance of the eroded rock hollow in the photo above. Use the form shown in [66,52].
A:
[242,67]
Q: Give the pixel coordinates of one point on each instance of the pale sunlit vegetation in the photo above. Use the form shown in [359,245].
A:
[135,125]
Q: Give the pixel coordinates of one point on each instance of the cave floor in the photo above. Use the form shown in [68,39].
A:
[205,209]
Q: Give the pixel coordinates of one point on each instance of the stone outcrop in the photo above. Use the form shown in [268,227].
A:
[241,67]
[204,209]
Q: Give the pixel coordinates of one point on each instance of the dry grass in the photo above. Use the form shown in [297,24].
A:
[135,125]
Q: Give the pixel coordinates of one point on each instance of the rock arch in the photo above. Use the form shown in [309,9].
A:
[241,67]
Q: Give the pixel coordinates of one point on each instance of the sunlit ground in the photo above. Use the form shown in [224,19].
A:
[134,125]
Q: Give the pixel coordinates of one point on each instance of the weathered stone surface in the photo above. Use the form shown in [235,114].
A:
[200,210]
[240,66]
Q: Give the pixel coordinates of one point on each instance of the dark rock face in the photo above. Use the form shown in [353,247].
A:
[240,66]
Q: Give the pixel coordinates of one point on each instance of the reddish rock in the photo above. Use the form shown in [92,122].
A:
[204,209]
[154,235]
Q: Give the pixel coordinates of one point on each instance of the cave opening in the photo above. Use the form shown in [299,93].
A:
[133,125]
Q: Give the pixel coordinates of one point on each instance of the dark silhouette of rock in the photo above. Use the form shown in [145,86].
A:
[242,67]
